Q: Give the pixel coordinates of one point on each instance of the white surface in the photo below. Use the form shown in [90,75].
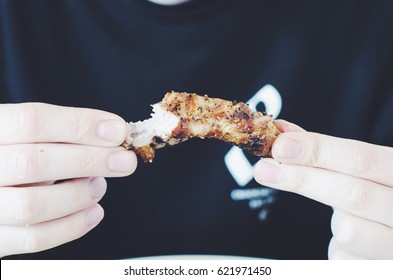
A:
[196,257]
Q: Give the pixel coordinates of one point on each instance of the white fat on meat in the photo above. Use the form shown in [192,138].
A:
[161,124]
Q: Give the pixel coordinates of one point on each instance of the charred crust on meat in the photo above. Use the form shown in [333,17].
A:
[245,116]
[158,140]
[181,130]
[204,117]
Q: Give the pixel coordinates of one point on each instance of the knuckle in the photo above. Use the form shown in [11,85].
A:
[359,159]
[298,179]
[26,165]
[314,154]
[27,120]
[33,241]
[346,233]
[25,209]
[333,221]
[356,196]
[90,162]
[79,128]
[332,250]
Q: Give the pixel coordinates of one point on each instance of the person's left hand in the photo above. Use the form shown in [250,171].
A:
[353,177]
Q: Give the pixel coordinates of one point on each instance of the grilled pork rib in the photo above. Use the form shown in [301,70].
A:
[181,116]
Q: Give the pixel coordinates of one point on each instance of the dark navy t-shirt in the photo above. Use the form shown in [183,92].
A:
[325,65]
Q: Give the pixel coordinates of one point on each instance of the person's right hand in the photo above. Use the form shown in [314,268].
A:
[41,144]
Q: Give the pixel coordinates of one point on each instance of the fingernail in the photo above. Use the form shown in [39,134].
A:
[267,172]
[286,148]
[97,187]
[94,215]
[112,131]
[122,161]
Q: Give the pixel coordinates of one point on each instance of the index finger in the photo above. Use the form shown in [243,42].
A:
[351,157]
[40,122]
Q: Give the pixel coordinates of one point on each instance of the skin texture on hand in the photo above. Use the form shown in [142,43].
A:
[353,177]
[41,144]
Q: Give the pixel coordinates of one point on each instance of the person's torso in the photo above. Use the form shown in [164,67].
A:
[324,65]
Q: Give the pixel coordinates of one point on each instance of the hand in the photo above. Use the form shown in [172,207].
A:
[41,144]
[353,177]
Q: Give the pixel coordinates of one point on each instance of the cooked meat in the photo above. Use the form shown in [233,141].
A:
[181,116]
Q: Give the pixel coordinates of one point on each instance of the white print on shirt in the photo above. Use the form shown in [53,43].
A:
[235,160]
[241,169]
